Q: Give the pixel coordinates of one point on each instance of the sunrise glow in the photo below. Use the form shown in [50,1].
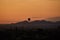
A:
[17,10]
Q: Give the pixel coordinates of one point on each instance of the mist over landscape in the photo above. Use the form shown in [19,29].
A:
[54,19]
[31,30]
[29,19]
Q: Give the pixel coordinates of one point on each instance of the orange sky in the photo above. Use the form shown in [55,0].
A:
[17,10]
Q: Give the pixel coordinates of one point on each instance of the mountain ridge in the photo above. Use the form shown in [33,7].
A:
[54,19]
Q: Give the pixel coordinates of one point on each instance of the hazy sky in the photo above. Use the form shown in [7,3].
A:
[17,10]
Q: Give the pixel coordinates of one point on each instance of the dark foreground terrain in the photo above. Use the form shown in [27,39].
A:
[36,30]
[36,34]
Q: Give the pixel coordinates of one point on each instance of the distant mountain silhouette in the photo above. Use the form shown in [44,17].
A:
[33,24]
[38,24]
[53,19]
[30,30]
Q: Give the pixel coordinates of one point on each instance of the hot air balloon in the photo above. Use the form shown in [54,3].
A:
[29,19]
